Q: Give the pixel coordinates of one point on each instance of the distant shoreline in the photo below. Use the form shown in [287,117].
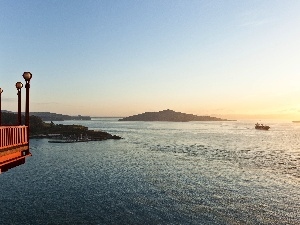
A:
[99,117]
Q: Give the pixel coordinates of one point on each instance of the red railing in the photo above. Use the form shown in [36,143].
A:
[11,136]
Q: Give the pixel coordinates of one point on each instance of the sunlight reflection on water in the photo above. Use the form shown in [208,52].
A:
[161,173]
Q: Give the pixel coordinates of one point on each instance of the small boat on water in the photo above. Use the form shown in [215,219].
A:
[261,127]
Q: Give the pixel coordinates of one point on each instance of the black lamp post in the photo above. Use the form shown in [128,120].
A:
[19,85]
[27,76]
[1,90]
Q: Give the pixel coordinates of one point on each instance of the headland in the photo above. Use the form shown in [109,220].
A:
[49,116]
[41,129]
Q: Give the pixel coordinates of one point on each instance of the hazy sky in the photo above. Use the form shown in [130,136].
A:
[118,58]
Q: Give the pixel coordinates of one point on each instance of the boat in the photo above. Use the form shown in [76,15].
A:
[261,127]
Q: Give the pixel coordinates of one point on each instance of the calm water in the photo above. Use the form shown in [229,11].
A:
[160,173]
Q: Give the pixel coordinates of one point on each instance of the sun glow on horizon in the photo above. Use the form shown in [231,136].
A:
[200,57]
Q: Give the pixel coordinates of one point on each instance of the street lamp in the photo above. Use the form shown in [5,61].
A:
[19,85]
[1,90]
[27,76]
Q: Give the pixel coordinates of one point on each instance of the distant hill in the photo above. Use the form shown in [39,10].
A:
[48,116]
[11,119]
[169,115]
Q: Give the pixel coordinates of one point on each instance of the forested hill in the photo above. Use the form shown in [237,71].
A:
[169,115]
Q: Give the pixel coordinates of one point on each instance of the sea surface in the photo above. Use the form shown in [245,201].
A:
[160,173]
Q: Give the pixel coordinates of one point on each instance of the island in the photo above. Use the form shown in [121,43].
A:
[171,116]
[41,129]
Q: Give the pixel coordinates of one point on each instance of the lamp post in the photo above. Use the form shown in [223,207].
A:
[1,90]
[19,85]
[27,76]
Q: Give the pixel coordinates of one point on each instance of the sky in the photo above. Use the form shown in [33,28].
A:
[234,59]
